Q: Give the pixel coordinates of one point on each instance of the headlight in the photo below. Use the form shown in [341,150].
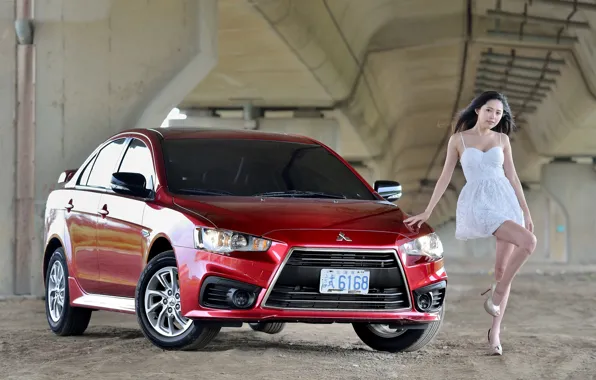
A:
[224,241]
[429,245]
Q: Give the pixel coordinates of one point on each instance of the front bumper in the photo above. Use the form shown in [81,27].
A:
[283,286]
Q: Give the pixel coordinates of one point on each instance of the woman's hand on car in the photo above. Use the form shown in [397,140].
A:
[420,218]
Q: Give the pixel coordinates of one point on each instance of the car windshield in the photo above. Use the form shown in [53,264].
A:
[249,167]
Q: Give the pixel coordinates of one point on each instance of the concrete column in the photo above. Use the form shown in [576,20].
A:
[573,187]
[103,66]
[7,144]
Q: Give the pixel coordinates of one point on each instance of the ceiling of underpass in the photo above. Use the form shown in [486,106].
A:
[398,70]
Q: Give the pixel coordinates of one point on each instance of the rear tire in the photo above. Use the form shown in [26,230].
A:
[64,319]
[162,323]
[268,327]
[399,341]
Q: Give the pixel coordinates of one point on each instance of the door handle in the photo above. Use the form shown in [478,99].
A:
[69,206]
[104,210]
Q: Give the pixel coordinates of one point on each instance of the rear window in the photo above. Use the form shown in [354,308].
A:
[245,167]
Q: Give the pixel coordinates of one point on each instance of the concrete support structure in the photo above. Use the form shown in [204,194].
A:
[96,67]
[573,186]
[7,144]
[101,66]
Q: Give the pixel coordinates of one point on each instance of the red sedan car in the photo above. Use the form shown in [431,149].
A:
[193,230]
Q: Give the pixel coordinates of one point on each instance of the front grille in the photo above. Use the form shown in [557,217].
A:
[322,259]
[297,285]
[304,297]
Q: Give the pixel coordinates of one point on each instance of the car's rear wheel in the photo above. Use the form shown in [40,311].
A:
[157,301]
[268,327]
[387,338]
[63,319]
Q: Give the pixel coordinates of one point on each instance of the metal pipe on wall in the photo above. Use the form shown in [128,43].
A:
[25,146]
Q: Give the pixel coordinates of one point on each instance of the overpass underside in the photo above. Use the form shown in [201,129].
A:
[385,77]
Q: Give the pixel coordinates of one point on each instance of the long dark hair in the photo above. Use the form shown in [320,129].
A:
[467,118]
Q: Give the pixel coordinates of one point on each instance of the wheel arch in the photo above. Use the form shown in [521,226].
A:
[160,244]
[53,244]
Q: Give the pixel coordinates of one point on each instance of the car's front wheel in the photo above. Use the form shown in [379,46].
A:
[158,308]
[382,337]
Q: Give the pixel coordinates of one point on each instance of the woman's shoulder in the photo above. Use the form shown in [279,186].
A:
[503,137]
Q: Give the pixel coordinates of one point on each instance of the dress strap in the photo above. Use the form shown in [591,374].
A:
[462,139]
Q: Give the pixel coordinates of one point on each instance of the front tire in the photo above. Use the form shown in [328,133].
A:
[157,303]
[63,319]
[382,338]
[268,327]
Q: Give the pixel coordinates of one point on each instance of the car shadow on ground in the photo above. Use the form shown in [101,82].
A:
[226,340]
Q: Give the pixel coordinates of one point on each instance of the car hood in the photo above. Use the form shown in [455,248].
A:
[262,216]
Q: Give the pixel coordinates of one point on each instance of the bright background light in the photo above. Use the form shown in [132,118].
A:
[173,115]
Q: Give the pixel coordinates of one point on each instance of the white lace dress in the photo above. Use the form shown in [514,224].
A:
[487,199]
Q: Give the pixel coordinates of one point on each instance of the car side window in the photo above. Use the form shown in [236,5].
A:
[85,175]
[137,159]
[105,164]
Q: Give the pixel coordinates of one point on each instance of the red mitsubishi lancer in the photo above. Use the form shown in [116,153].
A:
[197,229]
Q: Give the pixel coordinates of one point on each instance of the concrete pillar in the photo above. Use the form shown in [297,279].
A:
[7,144]
[103,66]
[573,187]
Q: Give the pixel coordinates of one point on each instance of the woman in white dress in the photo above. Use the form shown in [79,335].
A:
[492,202]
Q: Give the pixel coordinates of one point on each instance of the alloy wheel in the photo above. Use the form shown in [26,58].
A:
[56,291]
[162,303]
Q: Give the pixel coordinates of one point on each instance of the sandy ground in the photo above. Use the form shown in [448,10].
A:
[549,333]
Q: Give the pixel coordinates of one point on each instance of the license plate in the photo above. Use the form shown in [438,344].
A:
[344,281]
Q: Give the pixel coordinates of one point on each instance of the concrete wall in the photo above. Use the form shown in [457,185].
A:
[7,143]
[574,187]
[101,68]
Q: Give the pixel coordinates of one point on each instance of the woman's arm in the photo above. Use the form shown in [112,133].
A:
[512,176]
[442,183]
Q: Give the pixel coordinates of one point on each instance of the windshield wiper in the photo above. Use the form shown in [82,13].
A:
[203,192]
[300,193]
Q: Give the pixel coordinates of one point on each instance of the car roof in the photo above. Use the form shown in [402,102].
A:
[177,133]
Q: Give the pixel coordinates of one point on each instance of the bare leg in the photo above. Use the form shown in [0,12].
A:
[504,251]
[525,244]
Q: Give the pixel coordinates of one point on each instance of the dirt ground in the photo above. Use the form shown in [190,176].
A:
[549,332]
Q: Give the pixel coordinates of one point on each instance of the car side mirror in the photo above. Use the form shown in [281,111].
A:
[130,184]
[66,175]
[389,190]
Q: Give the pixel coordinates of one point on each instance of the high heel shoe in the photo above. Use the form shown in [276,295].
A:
[489,306]
[495,350]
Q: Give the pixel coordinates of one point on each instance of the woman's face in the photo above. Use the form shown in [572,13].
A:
[489,115]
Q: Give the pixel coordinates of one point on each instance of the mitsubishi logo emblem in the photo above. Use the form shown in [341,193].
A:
[343,237]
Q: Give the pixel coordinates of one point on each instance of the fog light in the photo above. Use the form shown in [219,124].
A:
[240,299]
[425,301]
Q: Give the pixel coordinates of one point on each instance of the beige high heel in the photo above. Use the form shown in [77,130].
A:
[489,306]
[495,350]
